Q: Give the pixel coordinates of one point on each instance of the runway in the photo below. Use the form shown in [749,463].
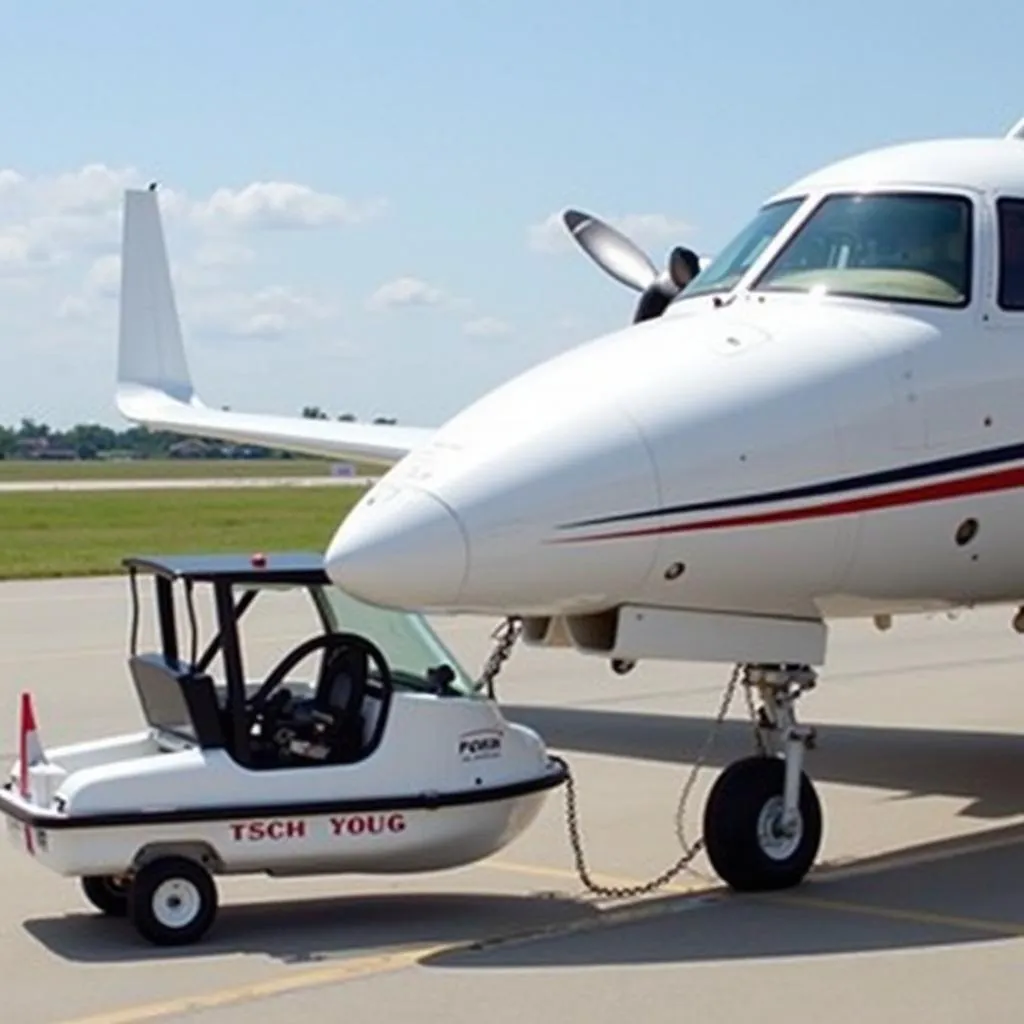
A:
[916,908]
[182,483]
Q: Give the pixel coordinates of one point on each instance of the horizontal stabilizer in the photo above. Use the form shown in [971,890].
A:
[154,386]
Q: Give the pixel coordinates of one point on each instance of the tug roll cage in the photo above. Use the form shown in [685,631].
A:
[189,708]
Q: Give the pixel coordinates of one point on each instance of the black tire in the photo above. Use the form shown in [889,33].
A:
[107,894]
[173,901]
[732,817]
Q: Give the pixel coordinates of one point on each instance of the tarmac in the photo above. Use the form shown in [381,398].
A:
[916,906]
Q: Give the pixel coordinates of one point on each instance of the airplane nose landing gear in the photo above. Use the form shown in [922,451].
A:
[763,820]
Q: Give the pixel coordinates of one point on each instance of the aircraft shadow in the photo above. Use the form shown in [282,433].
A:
[314,930]
[957,898]
[982,768]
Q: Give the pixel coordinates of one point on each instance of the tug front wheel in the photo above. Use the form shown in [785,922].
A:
[173,901]
[745,833]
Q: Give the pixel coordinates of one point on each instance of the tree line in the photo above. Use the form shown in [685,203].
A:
[32,439]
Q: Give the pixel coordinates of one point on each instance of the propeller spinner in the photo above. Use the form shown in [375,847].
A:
[614,253]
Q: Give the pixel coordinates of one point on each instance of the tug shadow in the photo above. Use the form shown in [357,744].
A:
[315,930]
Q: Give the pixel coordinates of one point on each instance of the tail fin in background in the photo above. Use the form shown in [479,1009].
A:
[154,386]
[151,352]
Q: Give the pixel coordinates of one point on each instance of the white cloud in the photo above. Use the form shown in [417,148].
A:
[104,276]
[99,287]
[44,221]
[47,220]
[268,313]
[551,234]
[220,254]
[63,231]
[280,204]
[406,291]
[92,189]
[487,327]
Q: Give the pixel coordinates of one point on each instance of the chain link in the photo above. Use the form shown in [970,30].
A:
[505,637]
[689,852]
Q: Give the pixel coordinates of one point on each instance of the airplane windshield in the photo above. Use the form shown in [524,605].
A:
[895,247]
[738,256]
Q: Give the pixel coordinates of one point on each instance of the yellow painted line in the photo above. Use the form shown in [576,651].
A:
[348,970]
[566,874]
[383,963]
[813,902]
[972,924]
[627,913]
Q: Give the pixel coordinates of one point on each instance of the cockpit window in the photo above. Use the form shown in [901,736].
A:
[738,256]
[1011,253]
[895,247]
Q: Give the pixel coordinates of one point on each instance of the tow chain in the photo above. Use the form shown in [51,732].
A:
[506,636]
[689,852]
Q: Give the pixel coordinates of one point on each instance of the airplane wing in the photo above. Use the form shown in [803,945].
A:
[154,387]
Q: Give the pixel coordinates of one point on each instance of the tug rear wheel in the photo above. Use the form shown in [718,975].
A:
[107,893]
[173,901]
[742,827]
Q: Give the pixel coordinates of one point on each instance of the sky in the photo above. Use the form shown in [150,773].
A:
[362,201]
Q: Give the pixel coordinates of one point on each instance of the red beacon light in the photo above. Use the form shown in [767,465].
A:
[259,560]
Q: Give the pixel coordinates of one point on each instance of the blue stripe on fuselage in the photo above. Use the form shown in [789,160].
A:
[901,474]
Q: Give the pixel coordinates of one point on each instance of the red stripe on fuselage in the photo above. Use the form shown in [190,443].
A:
[984,483]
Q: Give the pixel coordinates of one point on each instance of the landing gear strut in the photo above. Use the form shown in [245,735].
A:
[763,820]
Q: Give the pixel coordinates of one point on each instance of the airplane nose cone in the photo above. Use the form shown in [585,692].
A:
[399,547]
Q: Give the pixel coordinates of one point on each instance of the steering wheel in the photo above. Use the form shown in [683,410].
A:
[319,724]
[335,645]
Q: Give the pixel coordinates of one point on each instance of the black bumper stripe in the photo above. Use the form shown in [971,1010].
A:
[418,802]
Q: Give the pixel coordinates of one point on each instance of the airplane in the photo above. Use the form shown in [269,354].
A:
[825,423]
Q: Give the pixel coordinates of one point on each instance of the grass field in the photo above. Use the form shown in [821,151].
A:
[88,533]
[13,470]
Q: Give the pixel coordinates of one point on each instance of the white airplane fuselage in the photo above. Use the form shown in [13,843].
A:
[795,456]
[753,444]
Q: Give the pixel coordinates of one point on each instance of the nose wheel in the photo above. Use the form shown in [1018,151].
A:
[763,818]
[753,842]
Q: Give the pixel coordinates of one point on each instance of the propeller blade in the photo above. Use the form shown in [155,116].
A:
[611,250]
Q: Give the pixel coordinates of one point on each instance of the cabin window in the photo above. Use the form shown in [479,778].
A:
[896,247]
[1011,253]
[738,256]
